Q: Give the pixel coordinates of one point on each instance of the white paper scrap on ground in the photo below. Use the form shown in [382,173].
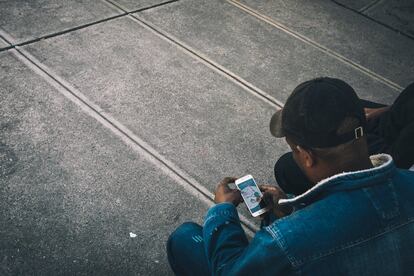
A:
[132,235]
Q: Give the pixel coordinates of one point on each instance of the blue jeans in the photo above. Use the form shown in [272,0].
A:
[185,250]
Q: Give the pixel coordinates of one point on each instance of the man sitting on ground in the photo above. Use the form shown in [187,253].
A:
[356,219]
[389,129]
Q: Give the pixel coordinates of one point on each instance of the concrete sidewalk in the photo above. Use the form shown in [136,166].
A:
[118,118]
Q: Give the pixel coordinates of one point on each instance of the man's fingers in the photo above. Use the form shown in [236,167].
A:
[227,180]
[238,197]
[268,199]
[237,193]
[266,187]
[224,184]
[263,188]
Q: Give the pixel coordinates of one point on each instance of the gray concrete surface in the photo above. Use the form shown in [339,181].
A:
[26,20]
[76,179]
[133,5]
[71,192]
[269,58]
[365,42]
[395,13]
[167,98]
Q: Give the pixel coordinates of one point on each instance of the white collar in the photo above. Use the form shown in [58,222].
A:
[379,161]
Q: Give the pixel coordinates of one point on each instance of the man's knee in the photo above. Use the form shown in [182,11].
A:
[179,242]
[282,164]
[402,150]
[289,176]
[184,231]
[283,161]
[185,250]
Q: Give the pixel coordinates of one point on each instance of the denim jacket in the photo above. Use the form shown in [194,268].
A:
[355,223]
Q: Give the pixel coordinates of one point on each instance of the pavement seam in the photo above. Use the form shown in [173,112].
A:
[370,6]
[6,48]
[191,185]
[316,45]
[257,92]
[123,9]
[6,38]
[9,39]
[249,87]
[407,35]
[30,41]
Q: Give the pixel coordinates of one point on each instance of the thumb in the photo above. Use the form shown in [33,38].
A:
[268,199]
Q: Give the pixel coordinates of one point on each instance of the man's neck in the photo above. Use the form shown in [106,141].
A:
[354,165]
[357,165]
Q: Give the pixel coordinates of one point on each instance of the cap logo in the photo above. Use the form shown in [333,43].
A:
[359,132]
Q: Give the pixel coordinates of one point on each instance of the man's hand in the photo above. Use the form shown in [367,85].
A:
[371,113]
[271,196]
[225,194]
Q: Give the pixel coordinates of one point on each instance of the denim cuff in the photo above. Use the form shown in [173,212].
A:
[222,212]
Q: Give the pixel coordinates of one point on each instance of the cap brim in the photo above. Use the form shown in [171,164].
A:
[276,125]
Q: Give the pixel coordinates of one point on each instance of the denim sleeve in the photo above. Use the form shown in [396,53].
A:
[229,252]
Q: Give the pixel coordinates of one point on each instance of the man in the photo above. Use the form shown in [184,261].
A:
[356,219]
[389,129]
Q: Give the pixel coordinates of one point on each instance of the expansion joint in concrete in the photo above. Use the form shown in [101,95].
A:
[13,45]
[122,11]
[191,185]
[207,61]
[187,49]
[362,13]
[210,63]
[370,6]
[125,10]
[316,45]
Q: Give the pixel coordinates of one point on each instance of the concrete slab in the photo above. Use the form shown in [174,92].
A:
[355,4]
[195,117]
[398,14]
[26,20]
[133,5]
[71,191]
[346,32]
[269,58]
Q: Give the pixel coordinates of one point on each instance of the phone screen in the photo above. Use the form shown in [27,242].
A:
[251,195]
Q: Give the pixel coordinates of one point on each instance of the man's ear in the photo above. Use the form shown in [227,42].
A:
[307,157]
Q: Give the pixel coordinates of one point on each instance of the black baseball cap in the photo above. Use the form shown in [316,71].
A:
[314,112]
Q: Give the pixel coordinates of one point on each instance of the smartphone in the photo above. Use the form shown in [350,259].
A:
[251,195]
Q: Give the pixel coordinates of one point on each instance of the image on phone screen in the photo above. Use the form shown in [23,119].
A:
[251,195]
